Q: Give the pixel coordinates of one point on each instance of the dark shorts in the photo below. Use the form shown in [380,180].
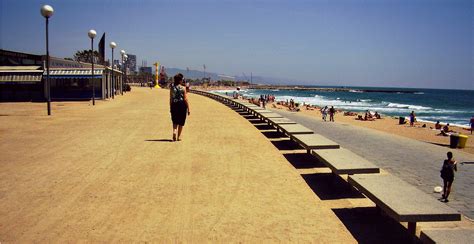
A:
[179,111]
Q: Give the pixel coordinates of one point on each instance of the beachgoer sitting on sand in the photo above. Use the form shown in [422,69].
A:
[368,116]
[438,125]
[446,131]
[359,117]
[377,115]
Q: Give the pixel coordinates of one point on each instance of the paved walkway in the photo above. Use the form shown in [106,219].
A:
[109,173]
[416,162]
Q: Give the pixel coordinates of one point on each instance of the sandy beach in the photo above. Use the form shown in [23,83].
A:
[386,124]
[391,125]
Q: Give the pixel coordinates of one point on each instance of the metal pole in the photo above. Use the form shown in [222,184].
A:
[123,73]
[113,81]
[48,85]
[92,79]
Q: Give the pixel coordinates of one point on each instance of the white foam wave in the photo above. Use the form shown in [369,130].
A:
[356,91]
[451,122]
[407,106]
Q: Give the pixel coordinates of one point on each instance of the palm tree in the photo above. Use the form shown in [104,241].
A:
[85,56]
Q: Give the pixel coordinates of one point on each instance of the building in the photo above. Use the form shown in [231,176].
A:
[146,70]
[131,64]
[23,78]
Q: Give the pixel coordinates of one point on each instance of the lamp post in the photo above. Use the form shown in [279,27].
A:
[112,46]
[91,35]
[122,52]
[125,58]
[47,11]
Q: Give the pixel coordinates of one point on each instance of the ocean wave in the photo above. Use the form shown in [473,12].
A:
[419,93]
[407,106]
[452,122]
[321,101]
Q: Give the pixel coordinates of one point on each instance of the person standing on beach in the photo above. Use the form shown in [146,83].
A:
[179,106]
[472,124]
[332,111]
[447,174]
[412,118]
[324,112]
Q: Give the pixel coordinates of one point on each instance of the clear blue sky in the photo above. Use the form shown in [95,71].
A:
[404,43]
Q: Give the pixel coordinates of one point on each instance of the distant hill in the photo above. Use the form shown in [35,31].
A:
[196,74]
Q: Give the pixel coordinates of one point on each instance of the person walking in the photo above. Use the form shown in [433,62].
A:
[179,106]
[332,111]
[447,174]
[324,112]
[412,118]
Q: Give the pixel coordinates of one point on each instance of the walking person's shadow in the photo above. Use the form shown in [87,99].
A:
[160,140]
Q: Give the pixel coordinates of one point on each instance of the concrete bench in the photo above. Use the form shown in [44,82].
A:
[293,129]
[448,236]
[271,115]
[402,201]
[280,121]
[313,141]
[343,161]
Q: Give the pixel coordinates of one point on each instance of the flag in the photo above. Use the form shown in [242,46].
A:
[102,49]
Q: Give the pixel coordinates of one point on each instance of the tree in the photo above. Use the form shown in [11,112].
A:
[85,56]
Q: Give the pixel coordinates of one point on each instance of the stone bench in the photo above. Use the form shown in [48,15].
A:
[343,161]
[402,201]
[271,115]
[280,121]
[448,236]
[293,129]
[313,141]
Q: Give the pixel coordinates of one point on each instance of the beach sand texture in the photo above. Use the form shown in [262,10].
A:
[108,173]
[390,125]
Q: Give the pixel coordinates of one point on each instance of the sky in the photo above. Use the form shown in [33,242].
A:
[382,43]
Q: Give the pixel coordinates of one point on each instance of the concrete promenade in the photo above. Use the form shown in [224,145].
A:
[109,173]
[416,162]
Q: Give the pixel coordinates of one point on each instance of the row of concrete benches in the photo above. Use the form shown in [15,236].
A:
[398,199]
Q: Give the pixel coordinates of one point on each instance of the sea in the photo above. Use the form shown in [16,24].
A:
[447,106]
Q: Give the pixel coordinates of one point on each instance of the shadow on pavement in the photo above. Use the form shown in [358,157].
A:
[273,134]
[264,127]
[161,140]
[367,225]
[438,144]
[286,145]
[256,121]
[328,186]
[303,160]
[248,116]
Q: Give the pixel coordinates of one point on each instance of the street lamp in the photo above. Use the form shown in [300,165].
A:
[47,11]
[91,35]
[113,45]
[122,52]
[125,58]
